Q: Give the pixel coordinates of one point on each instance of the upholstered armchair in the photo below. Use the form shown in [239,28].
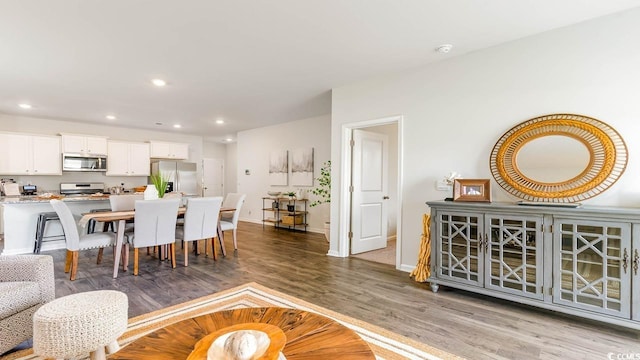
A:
[26,283]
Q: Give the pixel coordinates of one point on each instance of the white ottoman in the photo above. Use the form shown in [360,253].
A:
[74,325]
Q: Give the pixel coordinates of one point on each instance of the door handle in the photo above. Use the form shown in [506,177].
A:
[385,197]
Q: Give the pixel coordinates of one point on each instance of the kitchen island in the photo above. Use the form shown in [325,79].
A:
[20,215]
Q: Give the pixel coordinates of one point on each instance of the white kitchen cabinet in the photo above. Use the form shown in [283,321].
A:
[169,150]
[30,154]
[128,159]
[84,144]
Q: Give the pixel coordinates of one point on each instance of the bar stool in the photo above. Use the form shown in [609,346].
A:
[40,228]
[91,226]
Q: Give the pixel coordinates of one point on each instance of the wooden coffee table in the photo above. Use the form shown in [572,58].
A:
[309,336]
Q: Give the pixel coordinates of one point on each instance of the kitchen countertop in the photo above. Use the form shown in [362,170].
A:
[31,199]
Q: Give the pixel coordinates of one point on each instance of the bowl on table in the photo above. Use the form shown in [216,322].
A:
[274,193]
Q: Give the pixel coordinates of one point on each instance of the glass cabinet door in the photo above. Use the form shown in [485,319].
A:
[513,255]
[593,265]
[458,256]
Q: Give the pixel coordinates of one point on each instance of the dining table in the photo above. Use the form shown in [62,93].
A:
[121,217]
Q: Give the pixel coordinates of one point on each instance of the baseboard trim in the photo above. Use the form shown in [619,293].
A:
[259,222]
[406,268]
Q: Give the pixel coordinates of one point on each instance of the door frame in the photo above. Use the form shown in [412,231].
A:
[344,212]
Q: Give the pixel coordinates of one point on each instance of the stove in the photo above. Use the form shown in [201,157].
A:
[81,189]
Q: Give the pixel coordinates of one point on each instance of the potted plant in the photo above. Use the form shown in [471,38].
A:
[160,182]
[323,191]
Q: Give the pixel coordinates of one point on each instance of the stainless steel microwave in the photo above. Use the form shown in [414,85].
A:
[84,162]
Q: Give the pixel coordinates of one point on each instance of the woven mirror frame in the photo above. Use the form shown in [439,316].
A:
[607,151]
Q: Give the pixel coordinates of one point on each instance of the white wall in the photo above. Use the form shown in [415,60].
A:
[253,149]
[454,111]
[54,127]
[214,150]
[231,168]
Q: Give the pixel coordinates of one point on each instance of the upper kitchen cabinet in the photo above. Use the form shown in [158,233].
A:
[84,144]
[128,159]
[169,150]
[29,154]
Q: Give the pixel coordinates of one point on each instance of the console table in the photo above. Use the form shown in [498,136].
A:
[582,261]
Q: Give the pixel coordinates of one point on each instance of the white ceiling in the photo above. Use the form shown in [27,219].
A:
[249,62]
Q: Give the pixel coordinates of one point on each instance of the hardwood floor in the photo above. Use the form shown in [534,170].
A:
[462,323]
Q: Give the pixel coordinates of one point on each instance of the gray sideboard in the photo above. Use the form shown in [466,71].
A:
[582,261]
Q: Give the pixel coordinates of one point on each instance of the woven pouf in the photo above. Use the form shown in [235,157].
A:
[75,325]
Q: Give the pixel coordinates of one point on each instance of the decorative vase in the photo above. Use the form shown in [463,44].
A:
[327,230]
[151,193]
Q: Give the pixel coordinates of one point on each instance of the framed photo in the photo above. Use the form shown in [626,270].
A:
[472,190]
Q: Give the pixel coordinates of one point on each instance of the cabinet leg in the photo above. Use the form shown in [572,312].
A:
[434,287]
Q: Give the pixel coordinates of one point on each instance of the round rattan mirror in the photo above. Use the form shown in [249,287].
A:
[558,158]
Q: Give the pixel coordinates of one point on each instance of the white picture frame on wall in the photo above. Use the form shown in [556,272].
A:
[302,167]
[278,167]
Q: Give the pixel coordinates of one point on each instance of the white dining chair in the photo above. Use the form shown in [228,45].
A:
[230,222]
[124,203]
[200,223]
[155,225]
[76,242]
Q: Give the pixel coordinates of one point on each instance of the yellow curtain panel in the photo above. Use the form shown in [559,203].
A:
[422,271]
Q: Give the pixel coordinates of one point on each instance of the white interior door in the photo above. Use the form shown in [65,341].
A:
[369,206]
[213,176]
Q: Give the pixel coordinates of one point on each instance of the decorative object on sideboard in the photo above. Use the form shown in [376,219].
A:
[530,160]
[472,190]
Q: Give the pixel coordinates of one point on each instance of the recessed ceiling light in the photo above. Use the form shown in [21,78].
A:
[111,117]
[25,106]
[228,139]
[159,82]
[177,126]
[219,121]
[444,48]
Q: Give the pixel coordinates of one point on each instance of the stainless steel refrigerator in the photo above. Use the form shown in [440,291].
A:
[181,175]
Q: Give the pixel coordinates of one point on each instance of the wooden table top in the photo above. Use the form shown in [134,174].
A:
[107,216]
[309,336]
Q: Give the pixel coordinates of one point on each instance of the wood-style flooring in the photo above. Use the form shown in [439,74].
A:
[465,324]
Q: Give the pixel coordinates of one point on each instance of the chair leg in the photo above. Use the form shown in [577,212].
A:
[112,347]
[135,261]
[67,262]
[100,253]
[172,248]
[74,265]
[185,245]
[125,257]
[213,248]
[235,240]
[98,354]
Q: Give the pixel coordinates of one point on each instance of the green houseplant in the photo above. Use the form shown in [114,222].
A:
[160,182]
[323,192]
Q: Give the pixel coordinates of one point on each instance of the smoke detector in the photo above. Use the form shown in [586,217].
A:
[444,48]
